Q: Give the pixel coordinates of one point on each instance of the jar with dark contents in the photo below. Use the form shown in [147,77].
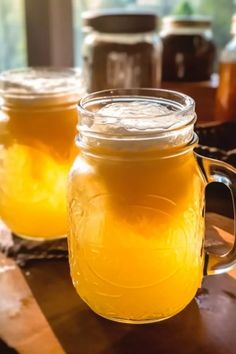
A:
[121,50]
[189,52]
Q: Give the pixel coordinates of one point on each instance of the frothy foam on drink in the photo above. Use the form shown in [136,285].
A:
[143,121]
[138,116]
[39,81]
[41,86]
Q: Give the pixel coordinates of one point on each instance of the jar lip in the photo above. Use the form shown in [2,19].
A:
[41,85]
[177,21]
[110,95]
[165,118]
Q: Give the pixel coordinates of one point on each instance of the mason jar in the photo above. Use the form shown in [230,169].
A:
[136,205]
[37,129]
[121,50]
[189,50]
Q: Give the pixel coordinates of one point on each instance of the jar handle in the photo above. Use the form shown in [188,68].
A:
[221,172]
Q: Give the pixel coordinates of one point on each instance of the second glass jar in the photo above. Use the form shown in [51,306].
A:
[189,52]
[121,50]
[37,125]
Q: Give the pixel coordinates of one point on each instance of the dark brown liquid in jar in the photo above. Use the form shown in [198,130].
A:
[117,65]
[121,50]
[189,51]
[187,58]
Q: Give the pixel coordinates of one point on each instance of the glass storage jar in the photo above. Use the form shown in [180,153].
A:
[136,205]
[121,50]
[226,93]
[189,52]
[37,127]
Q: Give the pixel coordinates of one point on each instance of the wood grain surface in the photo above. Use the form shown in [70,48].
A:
[22,323]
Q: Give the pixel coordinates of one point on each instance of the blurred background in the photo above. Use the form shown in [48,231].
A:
[49,32]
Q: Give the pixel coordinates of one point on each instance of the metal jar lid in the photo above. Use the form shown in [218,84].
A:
[172,22]
[118,21]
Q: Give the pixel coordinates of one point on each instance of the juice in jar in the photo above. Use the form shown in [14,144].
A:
[226,93]
[37,130]
[136,223]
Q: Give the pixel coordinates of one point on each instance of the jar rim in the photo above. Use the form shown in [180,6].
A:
[145,93]
[120,21]
[174,127]
[41,86]
[177,21]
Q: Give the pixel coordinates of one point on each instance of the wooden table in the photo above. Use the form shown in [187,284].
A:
[64,324]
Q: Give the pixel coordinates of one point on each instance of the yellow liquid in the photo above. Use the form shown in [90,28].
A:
[36,152]
[136,234]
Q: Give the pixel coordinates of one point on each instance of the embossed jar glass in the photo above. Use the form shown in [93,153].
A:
[38,120]
[136,209]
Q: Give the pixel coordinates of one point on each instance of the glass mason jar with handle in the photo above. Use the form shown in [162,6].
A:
[136,205]
[37,129]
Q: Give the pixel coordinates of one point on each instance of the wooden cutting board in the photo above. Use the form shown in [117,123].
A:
[23,326]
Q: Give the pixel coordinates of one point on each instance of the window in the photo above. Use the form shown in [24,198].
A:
[12,34]
[13,51]
[78,7]
[220,11]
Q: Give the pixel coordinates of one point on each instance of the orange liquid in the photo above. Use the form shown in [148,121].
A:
[37,149]
[226,94]
[136,234]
